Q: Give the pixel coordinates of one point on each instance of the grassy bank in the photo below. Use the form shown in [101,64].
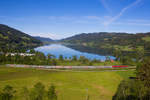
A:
[70,85]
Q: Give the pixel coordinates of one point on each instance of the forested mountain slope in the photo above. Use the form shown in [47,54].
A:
[12,39]
[104,40]
[44,39]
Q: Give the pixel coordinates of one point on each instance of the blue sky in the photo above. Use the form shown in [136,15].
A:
[63,18]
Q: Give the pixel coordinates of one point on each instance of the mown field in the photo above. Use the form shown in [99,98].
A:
[70,85]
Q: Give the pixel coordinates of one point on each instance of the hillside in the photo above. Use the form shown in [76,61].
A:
[103,40]
[12,39]
[43,39]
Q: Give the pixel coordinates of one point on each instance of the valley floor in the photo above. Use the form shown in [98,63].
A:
[70,85]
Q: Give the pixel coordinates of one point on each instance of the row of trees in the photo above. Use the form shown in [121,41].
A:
[137,88]
[40,59]
[124,57]
[38,92]
[129,58]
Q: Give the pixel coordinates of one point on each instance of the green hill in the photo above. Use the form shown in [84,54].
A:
[44,39]
[12,39]
[103,40]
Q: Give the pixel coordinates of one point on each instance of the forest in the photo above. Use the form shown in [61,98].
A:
[39,58]
[126,42]
[137,88]
[12,40]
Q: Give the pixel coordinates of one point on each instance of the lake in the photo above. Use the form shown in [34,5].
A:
[59,49]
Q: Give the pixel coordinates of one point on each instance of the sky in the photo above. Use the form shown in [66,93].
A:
[59,19]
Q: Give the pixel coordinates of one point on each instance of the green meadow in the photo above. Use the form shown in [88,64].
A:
[70,85]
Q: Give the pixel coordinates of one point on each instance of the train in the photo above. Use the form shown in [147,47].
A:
[65,67]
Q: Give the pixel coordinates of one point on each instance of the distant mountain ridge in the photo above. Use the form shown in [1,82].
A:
[105,40]
[12,39]
[43,39]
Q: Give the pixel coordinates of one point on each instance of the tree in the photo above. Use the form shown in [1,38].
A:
[40,55]
[54,62]
[32,51]
[95,61]
[52,93]
[25,93]
[90,63]
[74,58]
[131,90]
[117,53]
[138,88]
[50,56]
[83,60]
[38,92]
[7,93]
[143,72]
[61,58]
[127,60]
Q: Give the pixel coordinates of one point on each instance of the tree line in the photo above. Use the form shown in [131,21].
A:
[38,92]
[40,59]
[136,88]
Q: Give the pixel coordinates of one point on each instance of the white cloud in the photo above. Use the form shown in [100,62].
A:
[106,23]
[139,20]
[106,5]
[81,22]
[132,23]
[93,17]
[87,19]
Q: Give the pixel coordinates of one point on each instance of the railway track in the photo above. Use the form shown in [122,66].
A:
[68,67]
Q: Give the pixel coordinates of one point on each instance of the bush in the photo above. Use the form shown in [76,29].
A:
[143,72]
[38,92]
[7,93]
[131,90]
[52,93]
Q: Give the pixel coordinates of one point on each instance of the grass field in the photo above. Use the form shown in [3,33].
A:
[70,85]
[146,39]
[78,63]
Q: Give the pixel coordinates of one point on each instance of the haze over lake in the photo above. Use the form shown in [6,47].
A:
[59,49]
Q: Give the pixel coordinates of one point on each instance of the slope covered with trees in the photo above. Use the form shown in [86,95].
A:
[137,88]
[43,39]
[110,41]
[15,40]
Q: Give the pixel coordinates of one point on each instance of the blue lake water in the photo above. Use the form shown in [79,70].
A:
[59,49]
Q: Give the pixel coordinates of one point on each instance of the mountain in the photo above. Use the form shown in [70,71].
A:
[103,40]
[15,40]
[43,39]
